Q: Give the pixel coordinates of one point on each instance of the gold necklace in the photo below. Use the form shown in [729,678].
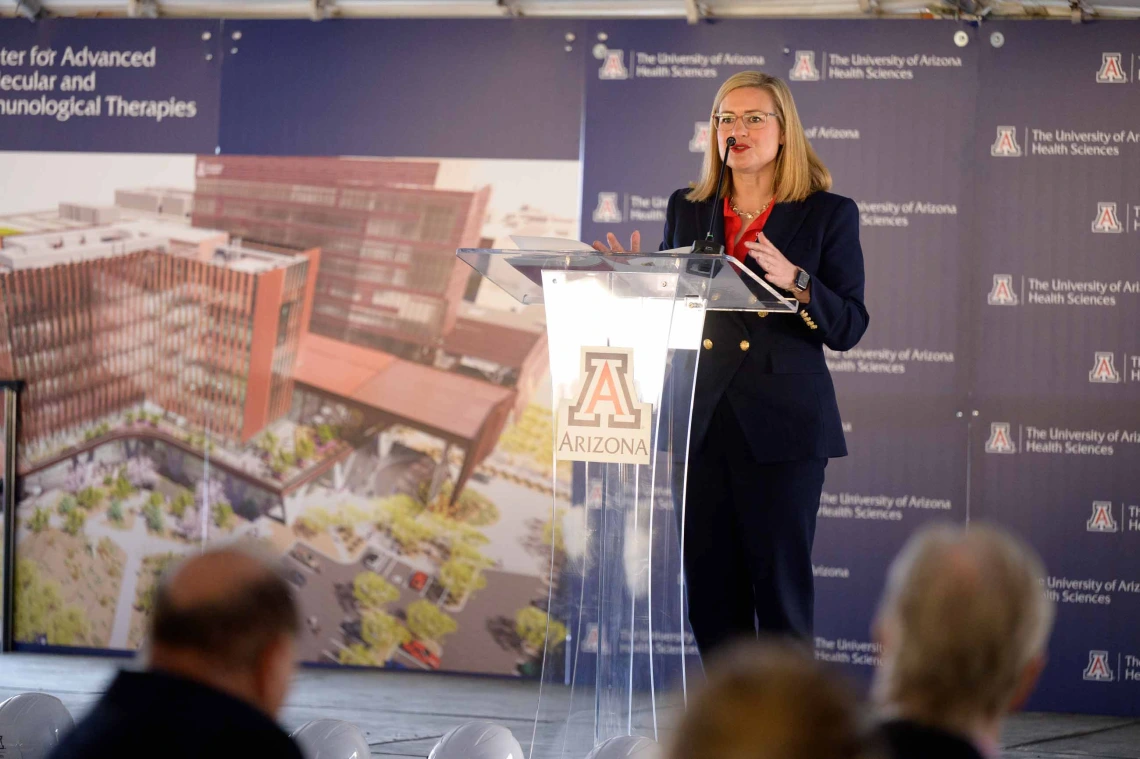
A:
[747,215]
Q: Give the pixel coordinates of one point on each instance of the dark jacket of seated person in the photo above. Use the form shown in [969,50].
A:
[905,739]
[220,661]
[156,714]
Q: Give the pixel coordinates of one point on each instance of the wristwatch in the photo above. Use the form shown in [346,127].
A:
[801,281]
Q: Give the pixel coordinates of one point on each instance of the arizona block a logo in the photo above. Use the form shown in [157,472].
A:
[604,421]
[1103,370]
[1000,440]
[1005,146]
[607,211]
[804,69]
[700,141]
[613,66]
[1101,519]
[1098,668]
[1002,293]
[1111,71]
[1106,220]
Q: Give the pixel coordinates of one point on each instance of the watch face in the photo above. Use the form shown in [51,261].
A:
[802,279]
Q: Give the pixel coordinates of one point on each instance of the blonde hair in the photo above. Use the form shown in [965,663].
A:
[771,701]
[799,171]
[966,613]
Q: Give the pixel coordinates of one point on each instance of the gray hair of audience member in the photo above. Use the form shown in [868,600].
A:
[772,700]
[964,622]
[233,625]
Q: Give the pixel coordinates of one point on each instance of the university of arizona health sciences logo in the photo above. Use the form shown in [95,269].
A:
[1005,146]
[700,141]
[1106,221]
[1098,668]
[1101,519]
[613,65]
[1103,370]
[1111,70]
[607,211]
[804,69]
[604,421]
[1002,293]
[1000,440]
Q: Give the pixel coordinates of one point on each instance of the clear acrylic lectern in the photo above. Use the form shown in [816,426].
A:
[625,336]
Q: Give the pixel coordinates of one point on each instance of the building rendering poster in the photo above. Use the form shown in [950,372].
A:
[284,350]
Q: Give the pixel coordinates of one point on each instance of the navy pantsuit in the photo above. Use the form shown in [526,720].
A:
[765,421]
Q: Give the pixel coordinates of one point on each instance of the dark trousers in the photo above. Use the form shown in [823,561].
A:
[748,535]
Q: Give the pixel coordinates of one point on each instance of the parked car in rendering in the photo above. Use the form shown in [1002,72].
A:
[418,650]
[306,557]
[417,581]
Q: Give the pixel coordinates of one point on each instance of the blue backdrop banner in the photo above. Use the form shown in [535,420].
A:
[110,86]
[890,110]
[472,89]
[1055,299]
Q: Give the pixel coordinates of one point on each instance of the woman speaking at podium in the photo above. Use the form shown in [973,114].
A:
[765,419]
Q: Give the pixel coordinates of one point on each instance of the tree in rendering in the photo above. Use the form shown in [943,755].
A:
[303,444]
[459,577]
[537,630]
[382,631]
[39,521]
[115,512]
[89,497]
[122,487]
[178,505]
[74,522]
[372,591]
[427,622]
[223,515]
[66,505]
[155,520]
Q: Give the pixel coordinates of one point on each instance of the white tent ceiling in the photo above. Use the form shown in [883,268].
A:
[692,10]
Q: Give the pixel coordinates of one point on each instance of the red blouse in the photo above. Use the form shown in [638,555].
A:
[732,224]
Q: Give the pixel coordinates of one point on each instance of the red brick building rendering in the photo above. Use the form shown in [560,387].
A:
[101,320]
[389,278]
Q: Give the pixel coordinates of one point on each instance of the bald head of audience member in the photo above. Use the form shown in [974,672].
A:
[770,701]
[226,618]
[963,623]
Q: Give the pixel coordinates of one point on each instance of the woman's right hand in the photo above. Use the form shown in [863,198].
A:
[615,247]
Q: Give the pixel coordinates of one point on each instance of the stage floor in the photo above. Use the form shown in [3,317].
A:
[403,713]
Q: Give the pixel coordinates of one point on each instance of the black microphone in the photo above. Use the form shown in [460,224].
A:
[706,245]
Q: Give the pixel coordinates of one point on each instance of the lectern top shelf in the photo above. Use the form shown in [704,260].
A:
[719,283]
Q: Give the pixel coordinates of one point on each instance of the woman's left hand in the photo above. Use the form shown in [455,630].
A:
[778,270]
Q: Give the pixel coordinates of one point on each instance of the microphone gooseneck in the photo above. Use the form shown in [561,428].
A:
[706,245]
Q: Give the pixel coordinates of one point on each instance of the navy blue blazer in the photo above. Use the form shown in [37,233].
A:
[770,367]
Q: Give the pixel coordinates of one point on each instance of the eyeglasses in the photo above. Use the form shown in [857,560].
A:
[752,119]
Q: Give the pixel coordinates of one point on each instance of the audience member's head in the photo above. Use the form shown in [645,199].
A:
[770,701]
[227,618]
[963,622]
